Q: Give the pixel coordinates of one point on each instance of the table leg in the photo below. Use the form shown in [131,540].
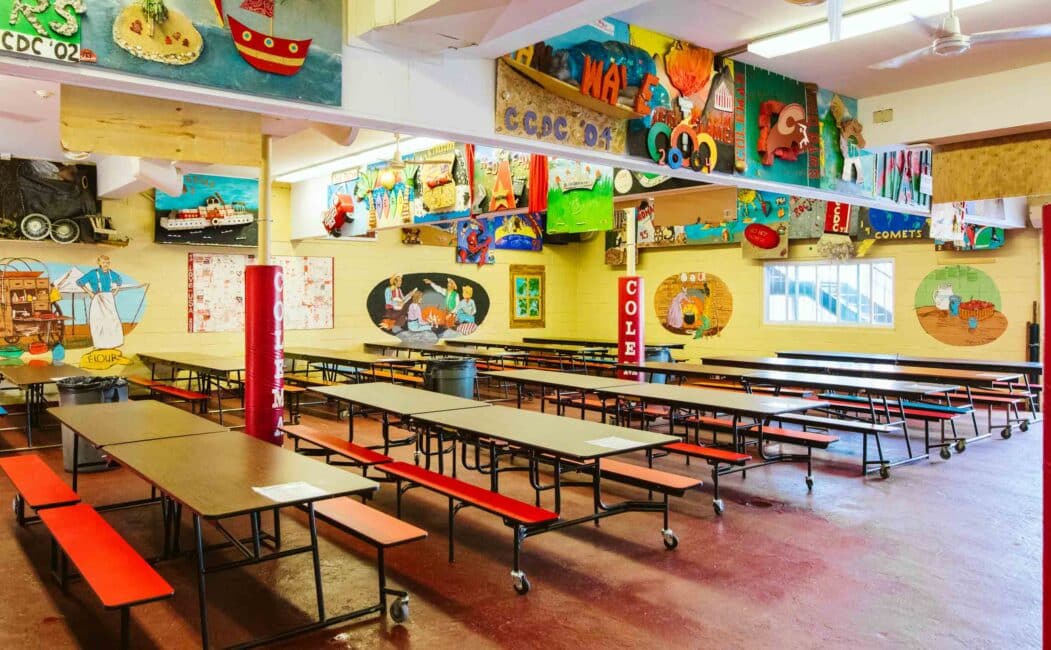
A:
[76,459]
[201,596]
[29,414]
[218,394]
[350,420]
[519,391]
[317,564]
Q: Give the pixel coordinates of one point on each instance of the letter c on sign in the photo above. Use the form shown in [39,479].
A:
[631,286]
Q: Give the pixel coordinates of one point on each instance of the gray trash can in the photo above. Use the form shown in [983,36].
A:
[87,390]
[451,375]
[658,354]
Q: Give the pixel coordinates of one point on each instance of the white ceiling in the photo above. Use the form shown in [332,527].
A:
[29,123]
[726,24]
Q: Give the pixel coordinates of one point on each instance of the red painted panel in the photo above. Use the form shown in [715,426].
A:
[264,352]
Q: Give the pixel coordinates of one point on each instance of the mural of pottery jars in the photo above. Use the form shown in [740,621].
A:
[960,305]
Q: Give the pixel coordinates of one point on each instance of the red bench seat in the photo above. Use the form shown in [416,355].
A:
[335,445]
[37,486]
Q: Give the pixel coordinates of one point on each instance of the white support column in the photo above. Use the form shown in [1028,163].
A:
[265,217]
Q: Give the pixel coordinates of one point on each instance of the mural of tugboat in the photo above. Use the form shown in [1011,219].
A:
[215,213]
[262,50]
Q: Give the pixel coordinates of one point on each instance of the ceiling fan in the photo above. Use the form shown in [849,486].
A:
[398,163]
[835,14]
[950,41]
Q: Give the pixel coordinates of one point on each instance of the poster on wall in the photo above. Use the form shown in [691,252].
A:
[960,305]
[777,143]
[211,211]
[475,240]
[273,48]
[42,30]
[427,307]
[47,200]
[54,307]
[519,232]
[527,295]
[579,197]
[216,286]
[694,304]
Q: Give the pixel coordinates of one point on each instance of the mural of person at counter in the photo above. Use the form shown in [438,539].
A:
[693,304]
[427,307]
[48,308]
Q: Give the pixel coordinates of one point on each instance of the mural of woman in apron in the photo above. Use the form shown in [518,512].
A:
[102,284]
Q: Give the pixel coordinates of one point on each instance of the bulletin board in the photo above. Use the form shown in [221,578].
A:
[215,292]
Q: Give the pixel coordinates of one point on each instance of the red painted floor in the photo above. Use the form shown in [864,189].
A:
[941,555]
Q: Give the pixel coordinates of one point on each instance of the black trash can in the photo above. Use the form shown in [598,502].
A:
[658,354]
[87,390]
[451,375]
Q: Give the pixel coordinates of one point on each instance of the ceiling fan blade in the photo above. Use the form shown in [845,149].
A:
[1013,34]
[899,61]
[929,28]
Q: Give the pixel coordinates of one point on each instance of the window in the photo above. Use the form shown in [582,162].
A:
[855,293]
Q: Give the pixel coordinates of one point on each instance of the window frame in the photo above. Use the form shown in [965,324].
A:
[871,263]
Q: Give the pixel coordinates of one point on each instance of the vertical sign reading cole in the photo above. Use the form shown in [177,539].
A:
[630,335]
[264,352]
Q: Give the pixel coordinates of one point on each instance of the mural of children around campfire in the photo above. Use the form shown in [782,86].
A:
[693,304]
[46,309]
[424,308]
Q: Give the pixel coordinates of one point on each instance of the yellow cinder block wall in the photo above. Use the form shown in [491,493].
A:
[359,266]
[1015,268]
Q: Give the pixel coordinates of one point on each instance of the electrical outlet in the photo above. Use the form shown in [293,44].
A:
[881,117]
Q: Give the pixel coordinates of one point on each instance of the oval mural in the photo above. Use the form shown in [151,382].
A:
[426,307]
[693,304]
[960,305]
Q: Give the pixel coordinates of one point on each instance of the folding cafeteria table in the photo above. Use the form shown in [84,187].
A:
[228,474]
[210,369]
[557,380]
[332,360]
[31,380]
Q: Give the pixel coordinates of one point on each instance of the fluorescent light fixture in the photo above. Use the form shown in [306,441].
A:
[855,23]
[409,146]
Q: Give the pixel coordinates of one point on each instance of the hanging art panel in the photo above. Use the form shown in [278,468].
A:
[519,232]
[42,30]
[437,234]
[628,183]
[579,197]
[501,180]
[347,213]
[694,304]
[211,211]
[273,48]
[475,239]
[845,165]
[427,307]
[777,144]
[441,183]
[960,305]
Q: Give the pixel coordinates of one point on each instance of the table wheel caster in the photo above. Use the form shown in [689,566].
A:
[670,540]
[884,471]
[945,453]
[719,507]
[399,610]
[1006,433]
[1024,425]
[961,446]
[809,483]
[520,582]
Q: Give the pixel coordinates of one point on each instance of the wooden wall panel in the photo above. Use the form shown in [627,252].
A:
[1017,165]
[113,123]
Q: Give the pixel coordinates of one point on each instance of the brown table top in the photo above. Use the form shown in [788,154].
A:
[213,474]
[687,369]
[197,361]
[714,399]
[849,368]
[871,385]
[397,399]
[450,350]
[930,362]
[116,423]
[554,434]
[29,375]
[347,357]
[533,347]
[606,343]
[556,379]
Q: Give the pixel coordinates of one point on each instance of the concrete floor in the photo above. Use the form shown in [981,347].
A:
[941,555]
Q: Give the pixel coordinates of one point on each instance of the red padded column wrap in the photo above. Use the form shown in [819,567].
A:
[264,352]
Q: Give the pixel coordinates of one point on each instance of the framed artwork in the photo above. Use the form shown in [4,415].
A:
[527,295]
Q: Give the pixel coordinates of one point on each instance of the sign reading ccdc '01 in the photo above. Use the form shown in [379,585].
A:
[48,29]
[631,324]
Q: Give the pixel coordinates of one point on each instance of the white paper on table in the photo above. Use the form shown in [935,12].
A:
[613,442]
[284,492]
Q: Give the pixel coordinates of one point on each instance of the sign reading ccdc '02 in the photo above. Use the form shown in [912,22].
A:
[48,29]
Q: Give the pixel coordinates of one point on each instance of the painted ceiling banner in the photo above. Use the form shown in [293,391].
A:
[286,49]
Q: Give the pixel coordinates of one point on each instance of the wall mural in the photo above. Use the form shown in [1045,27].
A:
[426,307]
[579,196]
[48,308]
[693,304]
[277,48]
[960,305]
[211,211]
[41,200]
